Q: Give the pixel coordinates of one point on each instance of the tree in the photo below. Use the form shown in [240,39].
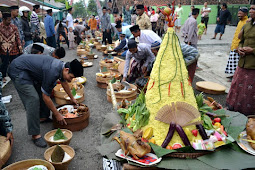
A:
[92,8]
[61,1]
[79,9]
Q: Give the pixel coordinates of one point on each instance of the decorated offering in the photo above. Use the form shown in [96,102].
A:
[38,167]
[86,63]
[59,156]
[30,164]
[76,117]
[58,136]
[103,78]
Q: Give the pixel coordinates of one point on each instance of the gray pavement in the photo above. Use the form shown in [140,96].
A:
[213,59]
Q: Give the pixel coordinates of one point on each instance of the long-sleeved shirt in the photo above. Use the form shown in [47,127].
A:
[43,32]
[26,29]
[126,31]
[148,37]
[16,21]
[49,26]
[123,45]
[47,49]
[93,24]
[5,120]
[80,29]
[236,40]
[224,16]
[190,54]
[143,22]
[105,22]
[61,29]
[190,31]
[143,52]
[9,40]
[127,15]
[35,24]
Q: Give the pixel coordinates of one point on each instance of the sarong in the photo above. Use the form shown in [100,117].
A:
[232,63]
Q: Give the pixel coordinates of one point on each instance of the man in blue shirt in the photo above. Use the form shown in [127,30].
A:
[49,28]
[34,76]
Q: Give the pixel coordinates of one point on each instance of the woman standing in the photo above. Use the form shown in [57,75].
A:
[205,14]
[241,96]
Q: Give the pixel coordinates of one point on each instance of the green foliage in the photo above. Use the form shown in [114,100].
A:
[59,135]
[92,8]
[73,92]
[79,9]
[61,1]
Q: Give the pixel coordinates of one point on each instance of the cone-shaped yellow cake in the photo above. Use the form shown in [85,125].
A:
[168,83]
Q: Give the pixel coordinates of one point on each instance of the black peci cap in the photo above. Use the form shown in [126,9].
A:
[132,44]
[139,6]
[6,15]
[134,28]
[49,11]
[14,7]
[36,6]
[38,47]
[76,68]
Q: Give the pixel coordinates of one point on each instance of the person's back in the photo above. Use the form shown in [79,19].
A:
[47,49]
[149,37]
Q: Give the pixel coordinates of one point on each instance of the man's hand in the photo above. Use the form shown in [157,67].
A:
[107,30]
[248,50]
[74,101]
[144,70]
[10,138]
[124,79]
[218,19]
[60,119]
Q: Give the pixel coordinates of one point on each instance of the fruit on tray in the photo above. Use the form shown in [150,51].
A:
[250,130]
[132,144]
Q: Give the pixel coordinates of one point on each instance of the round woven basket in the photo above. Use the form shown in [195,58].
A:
[121,96]
[51,133]
[60,165]
[102,64]
[103,48]
[22,165]
[81,52]
[5,150]
[103,82]
[73,124]
[61,94]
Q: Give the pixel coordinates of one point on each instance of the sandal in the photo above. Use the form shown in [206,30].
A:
[40,142]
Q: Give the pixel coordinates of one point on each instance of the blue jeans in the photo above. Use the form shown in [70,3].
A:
[51,41]
[28,43]
[124,53]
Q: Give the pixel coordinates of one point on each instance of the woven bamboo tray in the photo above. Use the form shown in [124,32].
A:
[61,94]
[102,64]
[5,151]
[121,96]
[23,165]
[51,133]
[210,87]
[61,165]
[102,82]
[73,124]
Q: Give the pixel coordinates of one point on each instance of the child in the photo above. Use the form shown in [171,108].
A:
[201,28]
[71,38]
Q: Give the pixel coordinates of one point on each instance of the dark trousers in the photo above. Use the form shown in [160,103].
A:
[51,41]
[206,19]
[31,97]
[77,38]
[154,25]
[107,36]
[6,60]
[160,32]
[66,39]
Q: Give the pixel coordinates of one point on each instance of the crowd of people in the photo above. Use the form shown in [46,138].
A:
[34,77]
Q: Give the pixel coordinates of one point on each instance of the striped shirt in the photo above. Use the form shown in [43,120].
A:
[34,22]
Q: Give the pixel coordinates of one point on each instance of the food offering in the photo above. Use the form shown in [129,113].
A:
[83,49]
[86,63]
[58,136]
[128,92]
[103,78]
[30,164]
[76,117]
[109,63]
[60,156]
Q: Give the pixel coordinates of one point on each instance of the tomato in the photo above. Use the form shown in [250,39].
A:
[177,146]
[217,119]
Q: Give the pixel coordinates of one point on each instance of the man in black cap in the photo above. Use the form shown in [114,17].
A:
[78,30]
[49,28]
[34,78]
[35,24]
[69,18]
[142,56]
[142,19]
[16,21]
[10,44]
[44,49]
[190,29]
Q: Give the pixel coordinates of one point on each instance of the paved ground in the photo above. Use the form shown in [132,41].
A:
[213,59]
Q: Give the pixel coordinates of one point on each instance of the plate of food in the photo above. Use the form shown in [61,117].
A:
[244,143]
[80,80]
[147,160]
[95,56]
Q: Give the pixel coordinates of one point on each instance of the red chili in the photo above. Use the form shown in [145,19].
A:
[169,88]
[189,79]
[182,89]
[152,85]
[147,82]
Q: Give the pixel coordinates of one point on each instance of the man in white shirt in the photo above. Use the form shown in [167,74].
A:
[145,36]
[69,18]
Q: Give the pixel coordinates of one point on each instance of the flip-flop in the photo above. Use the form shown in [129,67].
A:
[40,142]
[46,120]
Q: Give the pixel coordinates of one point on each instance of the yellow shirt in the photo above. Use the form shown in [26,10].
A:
[236,40]
[143,22]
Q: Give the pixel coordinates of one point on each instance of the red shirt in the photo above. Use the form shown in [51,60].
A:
[9,40]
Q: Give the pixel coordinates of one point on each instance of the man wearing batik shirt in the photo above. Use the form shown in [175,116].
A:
[16,21]
[127,15]
[35,24]
[10,46]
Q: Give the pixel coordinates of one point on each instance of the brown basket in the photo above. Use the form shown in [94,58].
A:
[60,94]
[60,165]
[73,124]
[102,64]
[103,48]
[98,47]
[81,52]
[90,56]
[51,133]
[63,101]
[5,150]
[102,82]
[121,96]
[22,165]
[188,155]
